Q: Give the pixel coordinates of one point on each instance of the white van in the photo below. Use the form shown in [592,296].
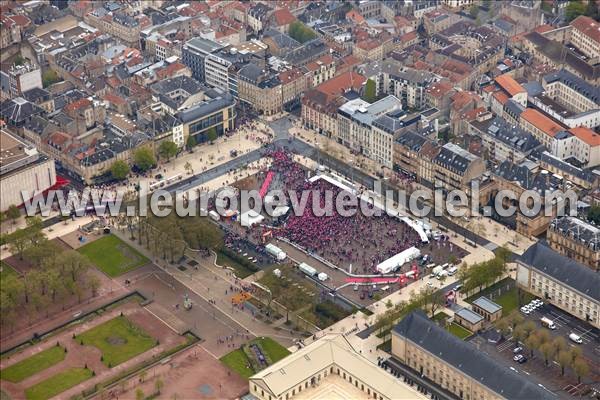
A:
[452,270]
[575,338]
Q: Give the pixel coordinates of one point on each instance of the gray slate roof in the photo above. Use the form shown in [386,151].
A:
[465,357]
[487,305]
[469,315]
[571,273]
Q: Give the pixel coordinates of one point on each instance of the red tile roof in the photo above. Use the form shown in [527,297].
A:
[290,75]
[355,16]
[541,122]
[341,83]
[283,17]
[588,27]
[501,97]
[543,28]
[323,60]
[511,86]
[439,89]
[21,20]
[368,44]
[78,104]
[587,135]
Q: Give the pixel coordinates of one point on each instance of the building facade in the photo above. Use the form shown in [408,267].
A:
[575,239]
[562,281]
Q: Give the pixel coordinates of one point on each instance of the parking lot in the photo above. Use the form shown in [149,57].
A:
[566,324]
[550,376]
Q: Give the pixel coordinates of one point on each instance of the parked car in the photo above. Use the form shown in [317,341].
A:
[517,350]
[522,360]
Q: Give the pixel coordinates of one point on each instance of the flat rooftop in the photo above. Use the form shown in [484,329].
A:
[11,149]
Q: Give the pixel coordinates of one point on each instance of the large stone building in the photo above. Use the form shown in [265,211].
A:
[561,281]
[585,35]
[407,84]
[370,129]
[328,368]
[457,366]
[454,168]
[22,168]
[576,239]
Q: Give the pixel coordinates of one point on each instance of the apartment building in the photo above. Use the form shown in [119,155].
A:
[407,151]
[580,146]
[455,365]
[369,129]
[20,78]
[559,56]
[517,178]
[258,17]
[561,281]
[321,70]
[585,35]
[454,168]
[576,239]
[540,126]
[569,99]
[261,89]
[117,24]
[320,105]
[405,83]
[503,141]
[512,89]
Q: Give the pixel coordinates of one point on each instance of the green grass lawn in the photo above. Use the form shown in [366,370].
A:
[57,383]
[34,364]
[113,256]
[459,331]
[226,261]
[509,299]
[238,361]
[118,340]
[6,270]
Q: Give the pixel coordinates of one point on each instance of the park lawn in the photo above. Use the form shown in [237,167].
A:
[118,339]
[238,362]
[57,383]
[272,349]
[34,364]
[113,256]
[459,331]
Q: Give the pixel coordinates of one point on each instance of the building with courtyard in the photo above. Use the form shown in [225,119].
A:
[329,368]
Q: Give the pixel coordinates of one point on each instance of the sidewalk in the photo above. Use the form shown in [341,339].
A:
[213,283]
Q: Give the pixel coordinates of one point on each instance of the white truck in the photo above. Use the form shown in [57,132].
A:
[437,270]
[275,252]
[548,323]
[307,269]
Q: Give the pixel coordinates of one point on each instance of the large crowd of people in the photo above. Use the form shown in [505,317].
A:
[360,240]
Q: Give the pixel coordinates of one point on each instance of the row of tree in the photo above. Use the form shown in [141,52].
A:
[144,158]
[55,275]
[168,237]
[481,275]
[429,299]
[552,349]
